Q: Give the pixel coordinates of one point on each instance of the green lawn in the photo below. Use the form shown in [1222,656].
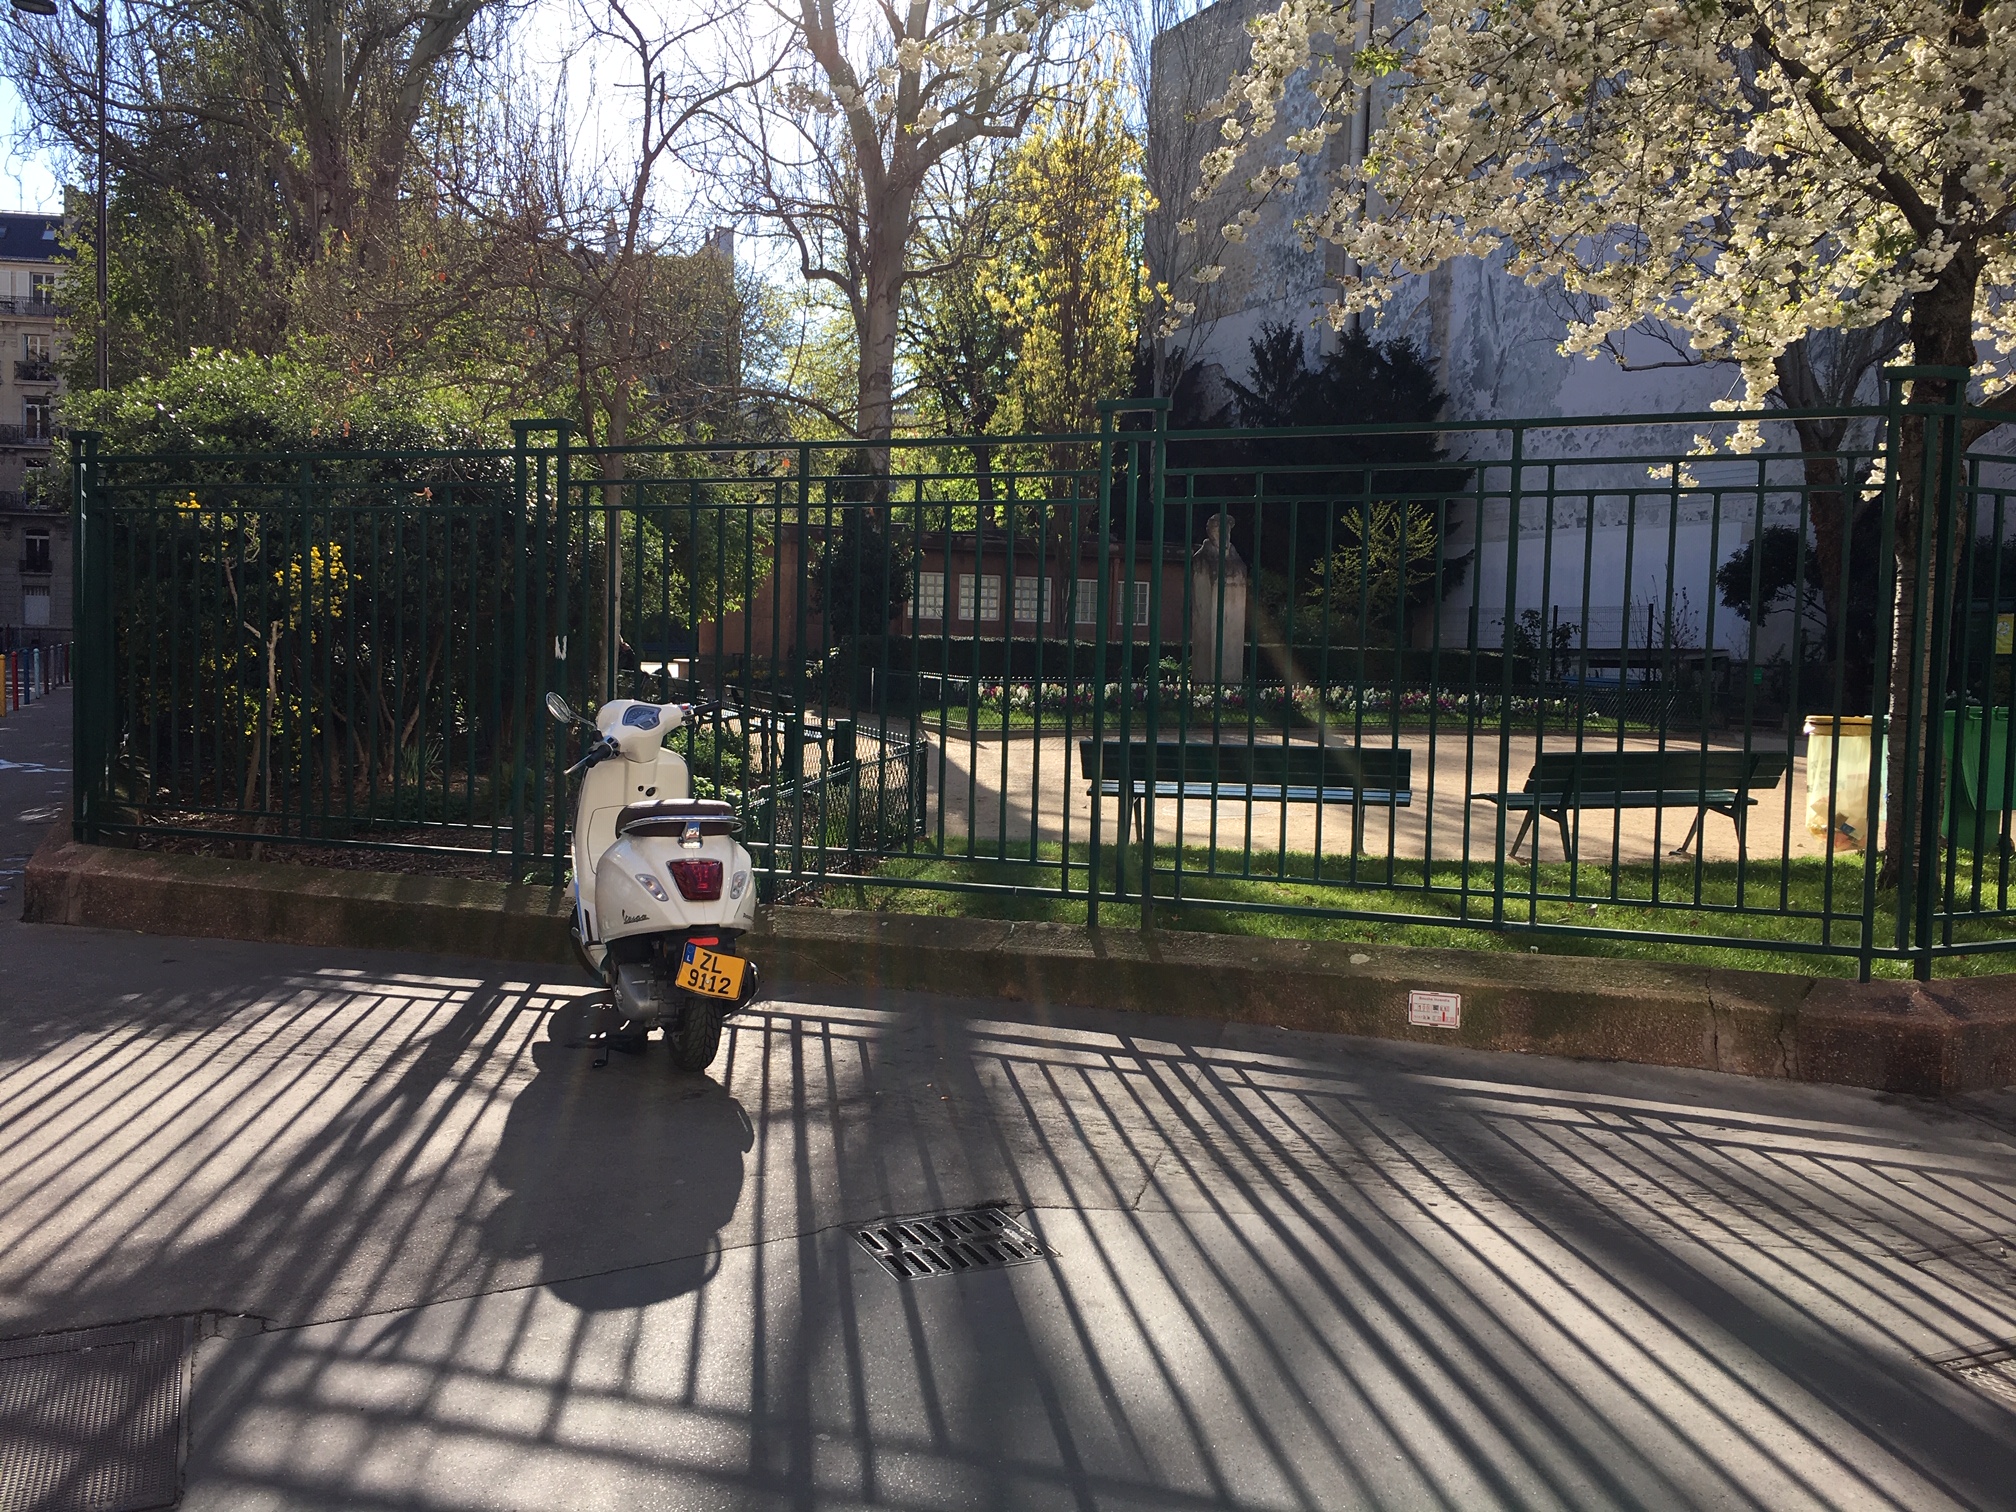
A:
[1772,898]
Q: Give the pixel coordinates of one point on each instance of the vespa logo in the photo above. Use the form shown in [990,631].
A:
[630,918]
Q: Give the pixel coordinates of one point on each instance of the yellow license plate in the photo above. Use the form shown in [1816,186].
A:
[710,973]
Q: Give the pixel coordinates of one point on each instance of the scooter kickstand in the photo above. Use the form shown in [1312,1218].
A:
[606,1021]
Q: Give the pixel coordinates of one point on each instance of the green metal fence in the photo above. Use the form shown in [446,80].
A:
[1322,674]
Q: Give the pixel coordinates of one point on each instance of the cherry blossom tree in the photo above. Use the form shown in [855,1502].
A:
[1745,171]
[872,99]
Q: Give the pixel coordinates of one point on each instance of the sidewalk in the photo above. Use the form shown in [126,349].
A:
[435,1260]
[34,786]
[442,1263]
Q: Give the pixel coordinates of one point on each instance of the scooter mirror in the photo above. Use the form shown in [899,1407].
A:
[557,707]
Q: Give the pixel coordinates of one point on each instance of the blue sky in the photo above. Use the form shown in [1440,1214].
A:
[30,177]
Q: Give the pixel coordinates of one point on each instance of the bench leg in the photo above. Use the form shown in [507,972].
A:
[1688,844]
[1357,829]
[1521,840]
[1567,840]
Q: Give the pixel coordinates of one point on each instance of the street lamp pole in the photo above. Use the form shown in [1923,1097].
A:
[98,20]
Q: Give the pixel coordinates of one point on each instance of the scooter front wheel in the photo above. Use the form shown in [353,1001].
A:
[695,1036]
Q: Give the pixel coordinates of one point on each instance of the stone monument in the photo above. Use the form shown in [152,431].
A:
[1217,609]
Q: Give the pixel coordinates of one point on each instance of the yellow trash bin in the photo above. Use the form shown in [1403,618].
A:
[1837,758]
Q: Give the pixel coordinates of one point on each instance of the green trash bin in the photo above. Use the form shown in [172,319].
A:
[1978,784]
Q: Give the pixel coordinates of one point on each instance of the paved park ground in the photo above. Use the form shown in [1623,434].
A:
[1033,786]
[1290,1270]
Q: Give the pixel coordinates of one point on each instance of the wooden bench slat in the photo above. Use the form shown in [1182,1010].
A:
[1385,766]
[1365,777]
[1232,792]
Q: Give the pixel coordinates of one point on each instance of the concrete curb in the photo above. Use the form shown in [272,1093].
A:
[68,883]
[1935,1038]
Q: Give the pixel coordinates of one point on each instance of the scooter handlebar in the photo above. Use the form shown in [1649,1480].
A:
[602,750]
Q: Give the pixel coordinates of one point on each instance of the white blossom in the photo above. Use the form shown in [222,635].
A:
[1746,171]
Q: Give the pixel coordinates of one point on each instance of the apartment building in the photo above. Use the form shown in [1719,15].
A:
[34,542]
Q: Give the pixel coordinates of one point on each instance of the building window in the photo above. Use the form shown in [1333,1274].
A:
[1028,594]
[1085,610]
[35,551]
[34,607]
[990,598]
[42,288]
[35,347]
[930,596]
[1140,603]
[35,418]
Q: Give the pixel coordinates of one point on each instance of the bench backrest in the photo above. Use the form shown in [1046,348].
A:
[1383,769]
[1603,772]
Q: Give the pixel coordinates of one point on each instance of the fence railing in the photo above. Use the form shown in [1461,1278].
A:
[1561,677]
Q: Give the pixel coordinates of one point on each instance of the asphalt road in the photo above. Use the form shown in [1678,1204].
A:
[459,1268]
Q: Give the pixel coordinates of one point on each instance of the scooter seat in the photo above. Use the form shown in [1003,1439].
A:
[671,816]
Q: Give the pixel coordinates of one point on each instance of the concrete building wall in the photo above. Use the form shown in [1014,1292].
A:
[35,577]
[30,330]
[34,582]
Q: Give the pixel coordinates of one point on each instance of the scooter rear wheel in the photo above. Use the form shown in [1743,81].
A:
[695,1036]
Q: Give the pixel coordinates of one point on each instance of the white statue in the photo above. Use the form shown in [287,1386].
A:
[1217,608]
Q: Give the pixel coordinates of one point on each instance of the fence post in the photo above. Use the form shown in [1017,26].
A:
[1917,775]
[1101,644]
[1931,634]
[1152,714]
[794,740]
[89,561]
[523,744]
[1512,497]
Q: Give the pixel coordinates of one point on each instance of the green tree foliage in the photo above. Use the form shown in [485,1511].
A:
[1785,569]
[1344,530]
[862,577]
[1033,316]
[265,549]
[248,143]
[1068,284]
[276,537]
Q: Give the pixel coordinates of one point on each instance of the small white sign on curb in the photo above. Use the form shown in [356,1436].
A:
[1435,1010]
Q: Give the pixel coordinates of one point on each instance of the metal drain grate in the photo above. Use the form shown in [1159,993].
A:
[949,1243]
[92,1420]
[1992,1370]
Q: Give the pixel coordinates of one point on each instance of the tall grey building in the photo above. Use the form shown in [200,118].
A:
[34,536]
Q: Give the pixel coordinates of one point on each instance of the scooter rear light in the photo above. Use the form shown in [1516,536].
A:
[697,881]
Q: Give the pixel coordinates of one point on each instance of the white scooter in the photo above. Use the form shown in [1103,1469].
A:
[662,890]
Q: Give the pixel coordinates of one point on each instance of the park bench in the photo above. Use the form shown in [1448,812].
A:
[1564,782]
[1362,776]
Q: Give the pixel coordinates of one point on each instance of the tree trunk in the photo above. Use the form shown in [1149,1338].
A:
[332,187]
[615,469]
[1942,335]
[881,294]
